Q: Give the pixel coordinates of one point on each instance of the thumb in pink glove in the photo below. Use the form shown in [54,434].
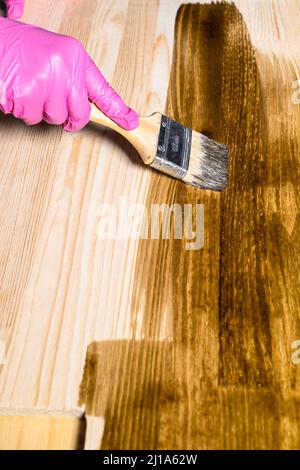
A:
[50,77]
[15,8]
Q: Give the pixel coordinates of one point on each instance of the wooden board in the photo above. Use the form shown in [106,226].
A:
[194,341]
[41,432]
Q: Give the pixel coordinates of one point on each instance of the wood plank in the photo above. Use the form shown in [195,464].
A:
[41,433]
[196,341]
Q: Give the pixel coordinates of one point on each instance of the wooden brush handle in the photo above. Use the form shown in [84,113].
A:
[143,138]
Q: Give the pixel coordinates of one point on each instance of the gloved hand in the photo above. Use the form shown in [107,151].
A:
[14,8]
[50,77]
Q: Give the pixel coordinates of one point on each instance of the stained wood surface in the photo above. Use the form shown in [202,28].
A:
[181,349]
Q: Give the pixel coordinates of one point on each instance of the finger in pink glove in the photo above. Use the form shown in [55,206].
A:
[15,8]
[48,76]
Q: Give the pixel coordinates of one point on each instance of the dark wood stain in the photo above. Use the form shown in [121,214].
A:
[221,375]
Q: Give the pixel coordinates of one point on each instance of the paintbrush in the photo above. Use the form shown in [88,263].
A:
[174,149]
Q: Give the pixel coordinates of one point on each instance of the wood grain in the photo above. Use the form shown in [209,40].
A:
[172,348]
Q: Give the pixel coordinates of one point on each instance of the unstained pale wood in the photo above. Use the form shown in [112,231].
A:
[41,433]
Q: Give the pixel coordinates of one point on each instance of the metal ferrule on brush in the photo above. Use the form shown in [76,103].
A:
[173,148]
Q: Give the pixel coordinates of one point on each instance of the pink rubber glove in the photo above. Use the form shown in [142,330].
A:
[50,77]
[15,8]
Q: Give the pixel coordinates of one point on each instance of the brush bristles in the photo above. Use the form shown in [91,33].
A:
[208,163]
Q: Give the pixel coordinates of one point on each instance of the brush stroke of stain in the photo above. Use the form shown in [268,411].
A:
[224,381]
